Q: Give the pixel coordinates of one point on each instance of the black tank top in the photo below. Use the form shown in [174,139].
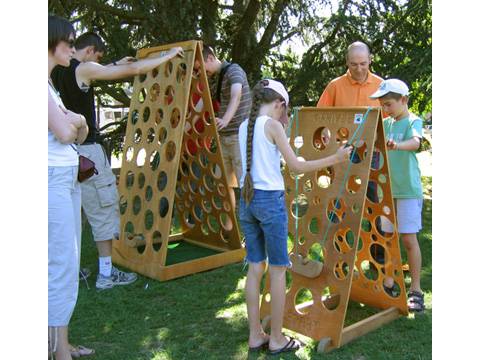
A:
[75,99]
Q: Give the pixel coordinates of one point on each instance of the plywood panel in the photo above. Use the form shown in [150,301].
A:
[326,211]
[172,160]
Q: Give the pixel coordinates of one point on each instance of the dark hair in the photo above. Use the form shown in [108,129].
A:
[207,50]
[90,39]
[59,29]
[261,95]
[392,95]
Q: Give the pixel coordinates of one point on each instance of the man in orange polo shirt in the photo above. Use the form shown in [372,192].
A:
[355,87]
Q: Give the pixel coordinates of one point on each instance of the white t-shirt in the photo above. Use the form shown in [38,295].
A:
[59,154]
[265,167]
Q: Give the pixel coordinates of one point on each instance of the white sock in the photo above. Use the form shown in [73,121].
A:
[105,265]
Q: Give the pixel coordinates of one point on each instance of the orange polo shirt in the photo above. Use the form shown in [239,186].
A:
[345,91]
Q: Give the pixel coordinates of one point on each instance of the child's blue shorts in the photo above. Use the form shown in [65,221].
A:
[265,226]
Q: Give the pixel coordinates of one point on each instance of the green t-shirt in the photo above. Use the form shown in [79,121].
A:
[404,169]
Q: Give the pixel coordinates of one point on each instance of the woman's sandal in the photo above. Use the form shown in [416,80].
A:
[291,345]
[416,302]
[262,346]
[79,351]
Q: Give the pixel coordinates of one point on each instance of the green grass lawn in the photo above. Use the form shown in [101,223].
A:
[204,316]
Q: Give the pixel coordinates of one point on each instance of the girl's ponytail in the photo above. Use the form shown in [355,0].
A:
[247,190]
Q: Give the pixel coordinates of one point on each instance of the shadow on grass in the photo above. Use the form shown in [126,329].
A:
[203,316]
[181,319]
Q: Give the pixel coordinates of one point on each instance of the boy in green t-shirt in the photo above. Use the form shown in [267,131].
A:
[403,131]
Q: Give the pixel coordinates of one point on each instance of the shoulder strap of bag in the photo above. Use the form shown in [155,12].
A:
[220,80]
[74,148]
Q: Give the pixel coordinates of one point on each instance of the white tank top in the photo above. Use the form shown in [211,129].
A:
[59,154]
[265,167]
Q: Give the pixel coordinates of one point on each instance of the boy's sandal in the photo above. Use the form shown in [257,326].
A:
[416,301]
[390,291]
[291,345]
[79,351]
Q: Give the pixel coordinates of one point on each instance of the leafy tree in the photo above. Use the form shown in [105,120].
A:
[400,39]
[252,32]
[129,25]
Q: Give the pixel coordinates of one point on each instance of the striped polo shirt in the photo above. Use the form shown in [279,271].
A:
[233,75]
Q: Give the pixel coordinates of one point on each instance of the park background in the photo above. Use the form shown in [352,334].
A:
[454,61]
[302,43]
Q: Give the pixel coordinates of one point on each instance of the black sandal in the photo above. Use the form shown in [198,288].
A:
[416,302]
[263,346]
[390,291]
[291,345]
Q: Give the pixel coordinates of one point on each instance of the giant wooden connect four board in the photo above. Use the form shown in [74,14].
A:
[172,159]
[351,250]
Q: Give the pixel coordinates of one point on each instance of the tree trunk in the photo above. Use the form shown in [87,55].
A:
[208,21]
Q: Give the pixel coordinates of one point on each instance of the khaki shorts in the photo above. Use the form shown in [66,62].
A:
[100,196]
[232,159]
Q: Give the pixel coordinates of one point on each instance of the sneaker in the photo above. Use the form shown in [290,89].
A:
[122,278]
[117,278]
[104,282]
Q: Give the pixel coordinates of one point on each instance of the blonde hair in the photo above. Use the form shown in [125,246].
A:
[261,95]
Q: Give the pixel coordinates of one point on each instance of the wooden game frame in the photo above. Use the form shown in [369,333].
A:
[172,156]
[339,193]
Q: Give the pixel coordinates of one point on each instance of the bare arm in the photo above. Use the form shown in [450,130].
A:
[235,97]
[67,126]
[275,131]
[82,134]
[123,61]
[89,71]
[408,145]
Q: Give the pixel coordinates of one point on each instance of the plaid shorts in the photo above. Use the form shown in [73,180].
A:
[232,159]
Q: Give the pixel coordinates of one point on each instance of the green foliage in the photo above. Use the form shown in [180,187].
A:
[400,38]
[251,33]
